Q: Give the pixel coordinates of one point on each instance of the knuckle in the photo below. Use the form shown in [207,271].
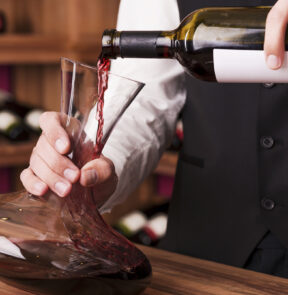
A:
[34,153]
[47,117]
[43,117]
[55,163]
[276,15]
[32,160]
[37,146]
[51,160]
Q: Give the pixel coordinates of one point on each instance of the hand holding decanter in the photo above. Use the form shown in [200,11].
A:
[50,168]
[43,236]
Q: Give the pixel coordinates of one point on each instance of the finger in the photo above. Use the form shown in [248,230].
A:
[274,43]
[105,182]
[50,123]
[32,183]
[56,183]
[98,172]
[60,164]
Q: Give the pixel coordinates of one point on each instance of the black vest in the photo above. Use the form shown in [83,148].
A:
[231,183]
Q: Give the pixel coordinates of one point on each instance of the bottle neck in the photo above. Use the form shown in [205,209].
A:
[138,44]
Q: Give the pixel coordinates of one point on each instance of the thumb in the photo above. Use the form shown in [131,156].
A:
[97,172]
[274,43]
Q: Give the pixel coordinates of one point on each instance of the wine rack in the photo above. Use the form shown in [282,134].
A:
[39,33]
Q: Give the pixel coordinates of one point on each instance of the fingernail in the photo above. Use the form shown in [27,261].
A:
[273,62]
[90,176]
[61,188]
[70,174]
[60,145]
[39,187]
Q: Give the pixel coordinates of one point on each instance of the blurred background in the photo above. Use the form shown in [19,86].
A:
[34,34]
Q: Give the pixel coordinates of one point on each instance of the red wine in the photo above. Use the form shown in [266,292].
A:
[103,65]
[91,275]
[66,260]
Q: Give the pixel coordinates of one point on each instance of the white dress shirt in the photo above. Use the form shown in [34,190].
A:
[148,125]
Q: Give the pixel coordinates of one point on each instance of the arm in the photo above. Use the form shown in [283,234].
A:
[276,24]
[147,127]
[138,139]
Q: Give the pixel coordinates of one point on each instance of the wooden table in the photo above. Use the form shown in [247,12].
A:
[181,275]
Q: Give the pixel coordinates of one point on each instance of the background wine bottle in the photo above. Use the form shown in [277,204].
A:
[155,226]
[31,120]
[153,231]
[213,44]
[18,122]
[12,127]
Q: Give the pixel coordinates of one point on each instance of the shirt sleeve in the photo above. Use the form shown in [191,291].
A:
[148,125]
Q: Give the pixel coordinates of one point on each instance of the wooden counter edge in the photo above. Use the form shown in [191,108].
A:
[182,275]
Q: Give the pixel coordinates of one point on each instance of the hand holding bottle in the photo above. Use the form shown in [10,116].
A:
[51,169]
[276,25]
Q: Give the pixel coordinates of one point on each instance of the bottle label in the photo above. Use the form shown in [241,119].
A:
[131,223]
[246,66]
[158,225]
[7,119]
[32,119]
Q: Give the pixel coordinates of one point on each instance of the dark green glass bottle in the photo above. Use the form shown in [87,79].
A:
[213,44]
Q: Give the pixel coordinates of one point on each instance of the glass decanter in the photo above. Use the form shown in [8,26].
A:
[53,238]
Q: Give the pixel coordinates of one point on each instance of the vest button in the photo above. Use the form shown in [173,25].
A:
[268,85]
[267,142]
[267,204]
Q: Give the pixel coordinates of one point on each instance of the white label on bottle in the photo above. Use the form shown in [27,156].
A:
[134,221]
[6,120]
[158,224]
[8,248]
[246,66]
[32,119]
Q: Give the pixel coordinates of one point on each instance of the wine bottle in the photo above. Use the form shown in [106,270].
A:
[213,44]
[8,102]
[17,121]
[31,120]
[153,231]
[12,127]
